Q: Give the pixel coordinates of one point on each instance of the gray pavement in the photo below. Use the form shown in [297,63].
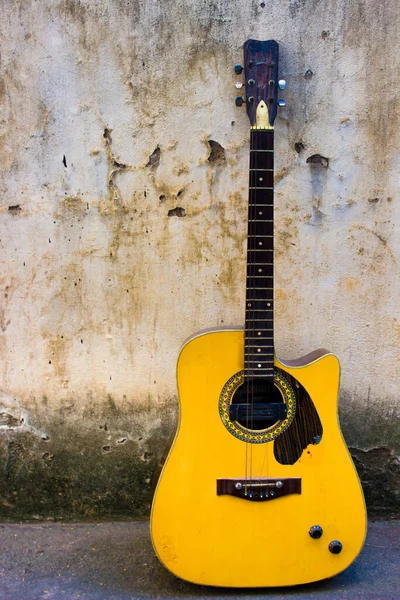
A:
[115,561]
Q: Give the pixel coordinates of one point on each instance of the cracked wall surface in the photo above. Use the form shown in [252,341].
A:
[123,180]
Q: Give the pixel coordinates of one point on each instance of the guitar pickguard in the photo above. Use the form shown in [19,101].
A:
[306,427]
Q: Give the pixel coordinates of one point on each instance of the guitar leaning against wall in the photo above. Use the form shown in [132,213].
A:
[258,488]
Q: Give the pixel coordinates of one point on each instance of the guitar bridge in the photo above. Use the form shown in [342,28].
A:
[259,490]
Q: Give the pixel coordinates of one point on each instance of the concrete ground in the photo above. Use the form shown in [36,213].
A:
[115,561]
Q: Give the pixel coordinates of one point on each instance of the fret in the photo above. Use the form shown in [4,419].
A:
[261,264]
[262,367]
[265,322]
[260,221]
[258,345]
[259,236]
[257,205]
[257,248]
[253,150]
[259,321]
[264,358]
[253,374]
[260,371]
[268,170]
[256,348]
[256,187]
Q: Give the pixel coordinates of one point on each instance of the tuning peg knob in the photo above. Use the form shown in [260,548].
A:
[238,85]
[238,69]
[281,103]
[282,84]
[239,101]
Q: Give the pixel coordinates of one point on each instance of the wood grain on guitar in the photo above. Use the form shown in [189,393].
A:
[258,488]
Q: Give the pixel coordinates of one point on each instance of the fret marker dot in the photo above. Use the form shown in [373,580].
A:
[258,349]
[258,332]
[260,213]
[249,304]
[258,366]
[260,179]
[260,243]
[268,303]
[260,270]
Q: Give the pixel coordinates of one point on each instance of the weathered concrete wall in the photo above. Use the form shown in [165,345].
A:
[123,227]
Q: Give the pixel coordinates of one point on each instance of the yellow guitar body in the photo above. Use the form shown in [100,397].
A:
[223,540]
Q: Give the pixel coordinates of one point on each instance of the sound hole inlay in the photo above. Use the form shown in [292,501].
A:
[265,431]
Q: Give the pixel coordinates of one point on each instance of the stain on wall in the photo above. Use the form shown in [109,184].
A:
[123,178]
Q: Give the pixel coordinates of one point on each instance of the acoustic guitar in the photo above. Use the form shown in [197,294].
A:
[258,488]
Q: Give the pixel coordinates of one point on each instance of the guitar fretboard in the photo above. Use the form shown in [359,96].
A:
[259,325]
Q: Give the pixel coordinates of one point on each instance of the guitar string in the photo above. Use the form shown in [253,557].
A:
[271,279]
[261,157]
[253,211]
[246,381]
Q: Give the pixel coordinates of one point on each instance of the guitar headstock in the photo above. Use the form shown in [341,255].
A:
[261,82]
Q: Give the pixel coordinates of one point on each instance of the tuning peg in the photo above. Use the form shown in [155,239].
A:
[239,101]
[281,103]
[238,69]
[282,84]
[238,85]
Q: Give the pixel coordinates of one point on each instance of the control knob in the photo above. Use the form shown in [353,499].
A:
[335,547]
[315,532]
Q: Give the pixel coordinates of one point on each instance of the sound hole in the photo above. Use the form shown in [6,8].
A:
[251,393]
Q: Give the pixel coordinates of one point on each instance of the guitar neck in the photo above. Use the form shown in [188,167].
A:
[259,324]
